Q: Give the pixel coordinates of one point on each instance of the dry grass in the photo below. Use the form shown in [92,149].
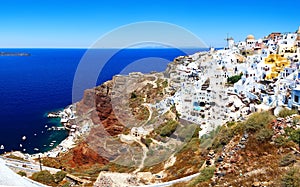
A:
[188,161]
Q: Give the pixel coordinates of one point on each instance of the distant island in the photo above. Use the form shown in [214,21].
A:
[14,54]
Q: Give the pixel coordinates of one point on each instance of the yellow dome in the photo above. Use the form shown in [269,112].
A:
[250,37]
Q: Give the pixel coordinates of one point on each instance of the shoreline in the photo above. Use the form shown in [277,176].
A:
[65,116]
[66,144]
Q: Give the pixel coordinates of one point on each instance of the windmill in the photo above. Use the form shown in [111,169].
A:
[230,41]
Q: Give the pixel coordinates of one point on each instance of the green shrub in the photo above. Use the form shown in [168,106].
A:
[258,121]
[286,112]
[165,83]
[193,144]
[168,128]
[291,178]
[59,176]
[295,136]
[287,160]
[234,79]
[264,135]
[205,175]
[146,141]
[44,177]
[280,141]
[22,173]
[223,136]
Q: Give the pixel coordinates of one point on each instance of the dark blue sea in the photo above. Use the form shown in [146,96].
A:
[31,86]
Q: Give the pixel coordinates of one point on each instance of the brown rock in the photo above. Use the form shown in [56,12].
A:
[265,153]
[82,155]
[248,169]
[234,159]
[97,102]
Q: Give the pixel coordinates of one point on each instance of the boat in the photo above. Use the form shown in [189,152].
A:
[24,138]
[36,149]
[2,147]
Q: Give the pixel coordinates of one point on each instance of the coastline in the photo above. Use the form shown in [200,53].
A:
[194,90]
[62,63]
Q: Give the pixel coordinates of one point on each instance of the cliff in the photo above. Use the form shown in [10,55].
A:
[97,104]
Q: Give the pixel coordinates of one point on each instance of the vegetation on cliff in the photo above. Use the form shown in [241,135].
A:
[267,159]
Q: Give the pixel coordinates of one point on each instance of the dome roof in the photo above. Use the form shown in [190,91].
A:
[250,37]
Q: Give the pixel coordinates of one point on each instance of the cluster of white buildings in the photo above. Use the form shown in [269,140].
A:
[270,78]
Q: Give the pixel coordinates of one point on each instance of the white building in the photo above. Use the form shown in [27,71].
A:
[250,42]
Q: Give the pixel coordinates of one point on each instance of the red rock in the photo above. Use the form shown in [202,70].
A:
[82,155]
[97,101]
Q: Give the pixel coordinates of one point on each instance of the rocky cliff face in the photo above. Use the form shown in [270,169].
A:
[108,109]
[96,105]
[82,155]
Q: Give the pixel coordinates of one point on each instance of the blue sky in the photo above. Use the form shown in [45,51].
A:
[71,23]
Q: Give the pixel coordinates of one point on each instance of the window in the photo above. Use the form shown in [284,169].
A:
[296,98]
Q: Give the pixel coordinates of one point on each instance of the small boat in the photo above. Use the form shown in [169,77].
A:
[2,147]
[21,145]
[54,141]
[34,134]
[24,150]
[36,149]
[24,138]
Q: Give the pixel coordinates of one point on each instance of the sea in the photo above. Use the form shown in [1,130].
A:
[31,86]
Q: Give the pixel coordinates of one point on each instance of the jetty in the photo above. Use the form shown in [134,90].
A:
[54,115]
[53,128]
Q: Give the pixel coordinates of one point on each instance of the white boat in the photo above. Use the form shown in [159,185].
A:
[21,145]
[2,147]
[24,138]
[36,149]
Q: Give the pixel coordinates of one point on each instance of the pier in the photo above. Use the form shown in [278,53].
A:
[53,128]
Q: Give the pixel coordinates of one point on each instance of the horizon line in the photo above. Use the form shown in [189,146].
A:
[107,48]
